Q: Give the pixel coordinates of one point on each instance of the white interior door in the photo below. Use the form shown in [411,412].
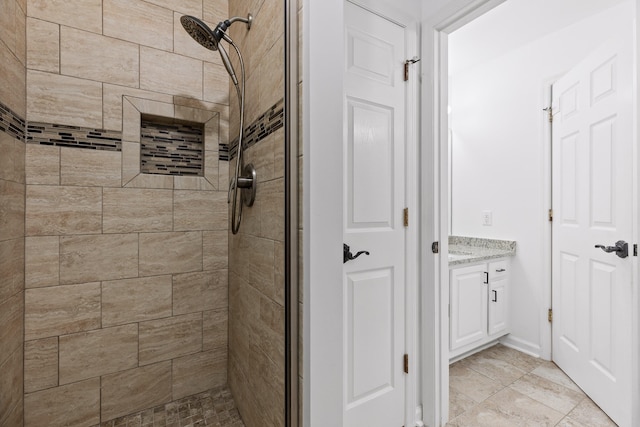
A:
[374,195]
[592,202]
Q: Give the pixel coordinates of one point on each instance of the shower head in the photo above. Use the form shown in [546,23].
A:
[210,39]
[200,32]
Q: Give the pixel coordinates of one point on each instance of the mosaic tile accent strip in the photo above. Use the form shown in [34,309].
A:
[171,148]
[263,126]
[211,408]
[11,123]
[73,136]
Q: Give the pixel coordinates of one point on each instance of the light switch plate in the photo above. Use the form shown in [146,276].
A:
[487,218]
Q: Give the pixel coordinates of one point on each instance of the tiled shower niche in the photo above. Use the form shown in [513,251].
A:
[171,146]
[166,145]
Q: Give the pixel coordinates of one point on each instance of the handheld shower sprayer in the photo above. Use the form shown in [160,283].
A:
[210,39]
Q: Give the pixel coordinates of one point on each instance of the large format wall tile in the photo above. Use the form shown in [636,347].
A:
[169,338]
[12,159]
[61,310]
[76,404]
[200,291]
[83,14]
[90,354]
[11,210]
[99,257]
[199,372]
[52,98]
[215,329]
[53,210]
[129,210]
[136,389]
[200,210]
[13,86]
[40,364]
[166,253]
[215,249]
[215,77]
[42,261]
[11,267]
[169,73]
[11,384]
[90,167]
[91,56]
[190,7]
[136,300]
[139,22]
[11,319]
[43,49]
[42,164]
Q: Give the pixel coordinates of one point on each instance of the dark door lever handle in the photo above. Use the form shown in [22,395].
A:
[621,248]
[348,256]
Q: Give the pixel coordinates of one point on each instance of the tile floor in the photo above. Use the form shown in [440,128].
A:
[500,387]
[211,408]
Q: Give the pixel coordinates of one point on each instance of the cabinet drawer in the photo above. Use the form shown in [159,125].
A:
[498,268]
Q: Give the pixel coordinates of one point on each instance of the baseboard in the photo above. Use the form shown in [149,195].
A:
[522,345]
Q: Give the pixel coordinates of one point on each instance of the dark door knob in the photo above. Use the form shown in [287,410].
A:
[348,256]
[621,248]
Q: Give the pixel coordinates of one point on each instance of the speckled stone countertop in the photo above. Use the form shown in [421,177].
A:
[467,250]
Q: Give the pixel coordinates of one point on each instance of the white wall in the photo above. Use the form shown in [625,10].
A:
[500,150]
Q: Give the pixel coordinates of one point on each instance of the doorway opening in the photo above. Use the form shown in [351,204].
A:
[499,71]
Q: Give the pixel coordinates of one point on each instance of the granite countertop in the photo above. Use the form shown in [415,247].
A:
[467,250]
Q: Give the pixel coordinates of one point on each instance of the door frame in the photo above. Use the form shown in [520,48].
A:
[323,208]
[435,299]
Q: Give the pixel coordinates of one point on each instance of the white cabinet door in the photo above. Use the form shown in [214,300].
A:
[468,309]
[498,297]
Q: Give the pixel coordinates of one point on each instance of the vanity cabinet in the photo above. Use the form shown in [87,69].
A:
[478,305]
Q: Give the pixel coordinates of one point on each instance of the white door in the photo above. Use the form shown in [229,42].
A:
[592,202]
[374,285]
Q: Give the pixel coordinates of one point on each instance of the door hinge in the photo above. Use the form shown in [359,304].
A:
[550,215]
[405,216]
[435,247]
[406,363]
[635,249]
[550,315]
[406,66]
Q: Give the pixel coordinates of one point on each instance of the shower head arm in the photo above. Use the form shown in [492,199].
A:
[248,20]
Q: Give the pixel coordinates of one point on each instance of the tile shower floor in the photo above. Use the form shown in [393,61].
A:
[211,408]
[500,386]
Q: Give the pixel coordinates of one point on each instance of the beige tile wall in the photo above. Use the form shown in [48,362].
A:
[120,291]
[12,198]
[126,304]
[256,280]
